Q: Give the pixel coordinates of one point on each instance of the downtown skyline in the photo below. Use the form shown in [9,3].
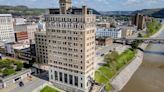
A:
[100,5]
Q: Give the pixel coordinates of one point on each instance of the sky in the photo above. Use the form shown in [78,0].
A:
[100,5]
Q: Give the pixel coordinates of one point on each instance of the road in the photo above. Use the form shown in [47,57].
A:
[30,86]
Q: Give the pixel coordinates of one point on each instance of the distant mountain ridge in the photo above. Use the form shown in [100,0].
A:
[158,12]
[20,10]
[24,10]
[116,13]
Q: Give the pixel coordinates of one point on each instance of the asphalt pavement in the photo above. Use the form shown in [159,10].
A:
[30,86]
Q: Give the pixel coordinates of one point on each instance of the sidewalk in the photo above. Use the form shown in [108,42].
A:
[29,85]
[13,86]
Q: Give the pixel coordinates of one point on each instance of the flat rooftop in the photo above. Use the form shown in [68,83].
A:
[4,15]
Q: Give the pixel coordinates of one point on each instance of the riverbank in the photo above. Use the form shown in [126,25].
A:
[120,80]
[104,74]
[159,32]
[150,75]
[152,28]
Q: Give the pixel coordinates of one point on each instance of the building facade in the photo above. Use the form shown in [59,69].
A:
[25,33]
[104,24]
[41,50]
[19,21]
[6,28]
[139,21]
[31,29]
[71,47]
[127,31]
[109,32]
[21,34]
[104,41]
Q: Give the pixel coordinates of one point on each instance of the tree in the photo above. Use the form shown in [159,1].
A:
[140,35]
[111,58]
[135,44]
[7,72]
[19,66]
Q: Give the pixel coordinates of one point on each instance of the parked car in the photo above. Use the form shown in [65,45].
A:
[102,54]
[21,84]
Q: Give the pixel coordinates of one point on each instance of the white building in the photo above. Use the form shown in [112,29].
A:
[109,32]
[71,47]
[41,26]
[20,21]
[6,28]
[31,29]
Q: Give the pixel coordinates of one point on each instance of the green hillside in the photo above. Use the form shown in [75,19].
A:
[158,12]
[21,10]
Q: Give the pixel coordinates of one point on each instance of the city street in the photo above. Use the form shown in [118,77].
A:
[30,85]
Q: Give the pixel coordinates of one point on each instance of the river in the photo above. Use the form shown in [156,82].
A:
[150,76]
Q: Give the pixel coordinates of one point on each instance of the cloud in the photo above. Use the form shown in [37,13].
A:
[141,2]
[100,5]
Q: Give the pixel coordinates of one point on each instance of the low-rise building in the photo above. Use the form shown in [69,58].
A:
[19,21]
[21,34]
[104,24]
[104,41]
[22,51]
[127,31]
[25,33]
[109,32]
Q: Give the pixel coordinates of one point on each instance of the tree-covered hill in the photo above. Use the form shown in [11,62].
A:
[20,10]
[24,10]
[158,12]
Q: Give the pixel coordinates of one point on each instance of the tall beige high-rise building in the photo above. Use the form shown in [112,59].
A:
[71,47]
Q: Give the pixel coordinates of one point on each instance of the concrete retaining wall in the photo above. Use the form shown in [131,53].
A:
[125,75]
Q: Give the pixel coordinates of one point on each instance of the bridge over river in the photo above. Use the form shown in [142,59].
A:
[144,40]
[128,41]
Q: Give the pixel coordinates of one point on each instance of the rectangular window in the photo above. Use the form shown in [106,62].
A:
[52,77]
[61,76]
[56,75]
[65,78]
[76,81]
[70,79]
[81,85]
